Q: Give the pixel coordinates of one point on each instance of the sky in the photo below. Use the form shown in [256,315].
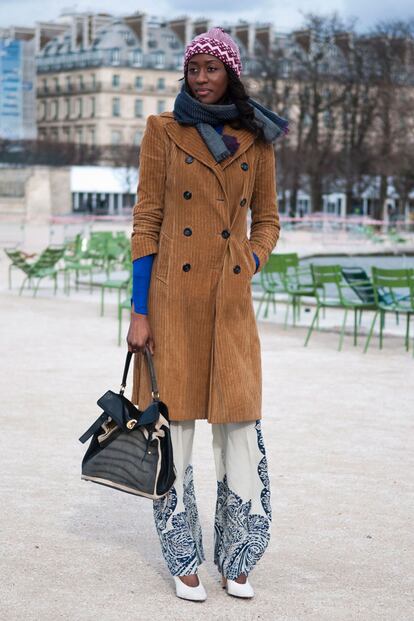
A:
[285,15]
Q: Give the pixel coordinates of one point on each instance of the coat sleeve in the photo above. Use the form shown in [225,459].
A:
[265,225]
[148,211]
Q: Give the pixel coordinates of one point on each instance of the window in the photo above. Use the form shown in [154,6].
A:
[42,110]
[92,136]
[68,83]
[116,80]
[56,85]
[54,110]
[115,56]
[78,135]
[161,84]
[54,136]
[80,107]
[93,81]
[67,108]
[93,106]
[138,82]
[116,106]
[138,107]
[65,134]
[44,85]
[116,136]
[81,83]
[159,59]
[137,58]
[160,106]
[137,137]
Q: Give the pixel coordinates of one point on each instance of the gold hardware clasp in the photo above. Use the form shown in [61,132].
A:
[131,423]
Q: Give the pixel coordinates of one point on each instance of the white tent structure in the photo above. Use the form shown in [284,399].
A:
[102,189]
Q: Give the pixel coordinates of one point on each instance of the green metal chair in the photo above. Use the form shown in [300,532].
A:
[272,282]
[398,285]
[76,261]
[328,280]
[119,285]
[298,283]
[124,305]
[43,267]
[19,260]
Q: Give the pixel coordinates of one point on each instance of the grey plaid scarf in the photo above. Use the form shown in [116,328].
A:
[190,111]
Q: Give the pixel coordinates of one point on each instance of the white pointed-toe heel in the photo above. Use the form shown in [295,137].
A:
[236,588]
[196,594]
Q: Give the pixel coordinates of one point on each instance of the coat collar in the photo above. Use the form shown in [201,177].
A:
[189,140]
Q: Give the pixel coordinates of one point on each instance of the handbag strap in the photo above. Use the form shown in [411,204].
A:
[151,368]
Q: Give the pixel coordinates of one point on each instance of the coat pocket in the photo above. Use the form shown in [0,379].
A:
[163,259]
[249,252]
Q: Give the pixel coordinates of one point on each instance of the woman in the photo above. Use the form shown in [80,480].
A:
[202,167]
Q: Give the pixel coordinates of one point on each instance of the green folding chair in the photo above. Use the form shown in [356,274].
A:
[398,287]
[329,291]
[298,284]
[45,266]
[272,283]
[122,306]
[19,260]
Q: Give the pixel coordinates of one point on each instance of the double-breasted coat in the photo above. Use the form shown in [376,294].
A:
[191,213]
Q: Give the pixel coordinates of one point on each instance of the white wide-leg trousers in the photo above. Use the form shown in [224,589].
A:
[243,512]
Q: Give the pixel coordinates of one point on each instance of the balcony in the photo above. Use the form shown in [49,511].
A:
[100,87]
[90,59]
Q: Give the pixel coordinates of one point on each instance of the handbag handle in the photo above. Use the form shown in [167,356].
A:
[154,388]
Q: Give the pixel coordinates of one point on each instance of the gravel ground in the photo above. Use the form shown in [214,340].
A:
[338,429]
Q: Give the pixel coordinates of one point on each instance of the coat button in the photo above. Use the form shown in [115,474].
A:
[244,166]
[187,195]
[237,269]
[243,202]
[225,234]
[187,231]
[186,267]
[189,159]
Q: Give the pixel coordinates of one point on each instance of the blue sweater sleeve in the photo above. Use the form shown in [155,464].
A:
[141,278]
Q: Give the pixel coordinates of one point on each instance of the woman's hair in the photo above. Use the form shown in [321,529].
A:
[236,94]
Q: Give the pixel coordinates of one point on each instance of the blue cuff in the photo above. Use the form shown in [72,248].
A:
[141,278]
[256,258]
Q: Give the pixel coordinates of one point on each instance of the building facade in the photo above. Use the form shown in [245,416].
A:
[17,89]
[100,77]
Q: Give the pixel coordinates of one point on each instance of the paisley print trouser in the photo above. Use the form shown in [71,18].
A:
[243,513]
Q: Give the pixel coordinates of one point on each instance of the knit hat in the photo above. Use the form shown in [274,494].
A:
[217,43]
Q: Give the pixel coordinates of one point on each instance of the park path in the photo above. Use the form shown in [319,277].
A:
[338,429]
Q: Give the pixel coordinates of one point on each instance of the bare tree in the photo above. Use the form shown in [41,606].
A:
[391,46]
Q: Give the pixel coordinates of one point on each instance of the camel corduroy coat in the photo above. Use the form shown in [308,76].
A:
[192,213]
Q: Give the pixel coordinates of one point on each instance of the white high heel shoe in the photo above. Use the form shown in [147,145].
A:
[236,588]
[196,594]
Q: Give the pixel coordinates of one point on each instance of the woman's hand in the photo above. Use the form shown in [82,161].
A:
[139,334]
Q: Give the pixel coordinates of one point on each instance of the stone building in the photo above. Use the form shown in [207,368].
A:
[100,77]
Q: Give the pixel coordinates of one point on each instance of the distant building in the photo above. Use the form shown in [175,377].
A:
[99,81]
[99,77]
[17,89]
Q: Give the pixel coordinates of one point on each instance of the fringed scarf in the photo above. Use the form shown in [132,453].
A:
[190,111]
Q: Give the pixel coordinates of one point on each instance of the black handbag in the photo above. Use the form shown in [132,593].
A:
[131,449]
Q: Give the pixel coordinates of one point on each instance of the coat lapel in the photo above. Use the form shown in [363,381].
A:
[189,140]
[245,139]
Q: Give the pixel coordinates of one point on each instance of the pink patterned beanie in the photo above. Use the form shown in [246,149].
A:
[217,43]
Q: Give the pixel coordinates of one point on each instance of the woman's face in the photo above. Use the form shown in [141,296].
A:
[207,78]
